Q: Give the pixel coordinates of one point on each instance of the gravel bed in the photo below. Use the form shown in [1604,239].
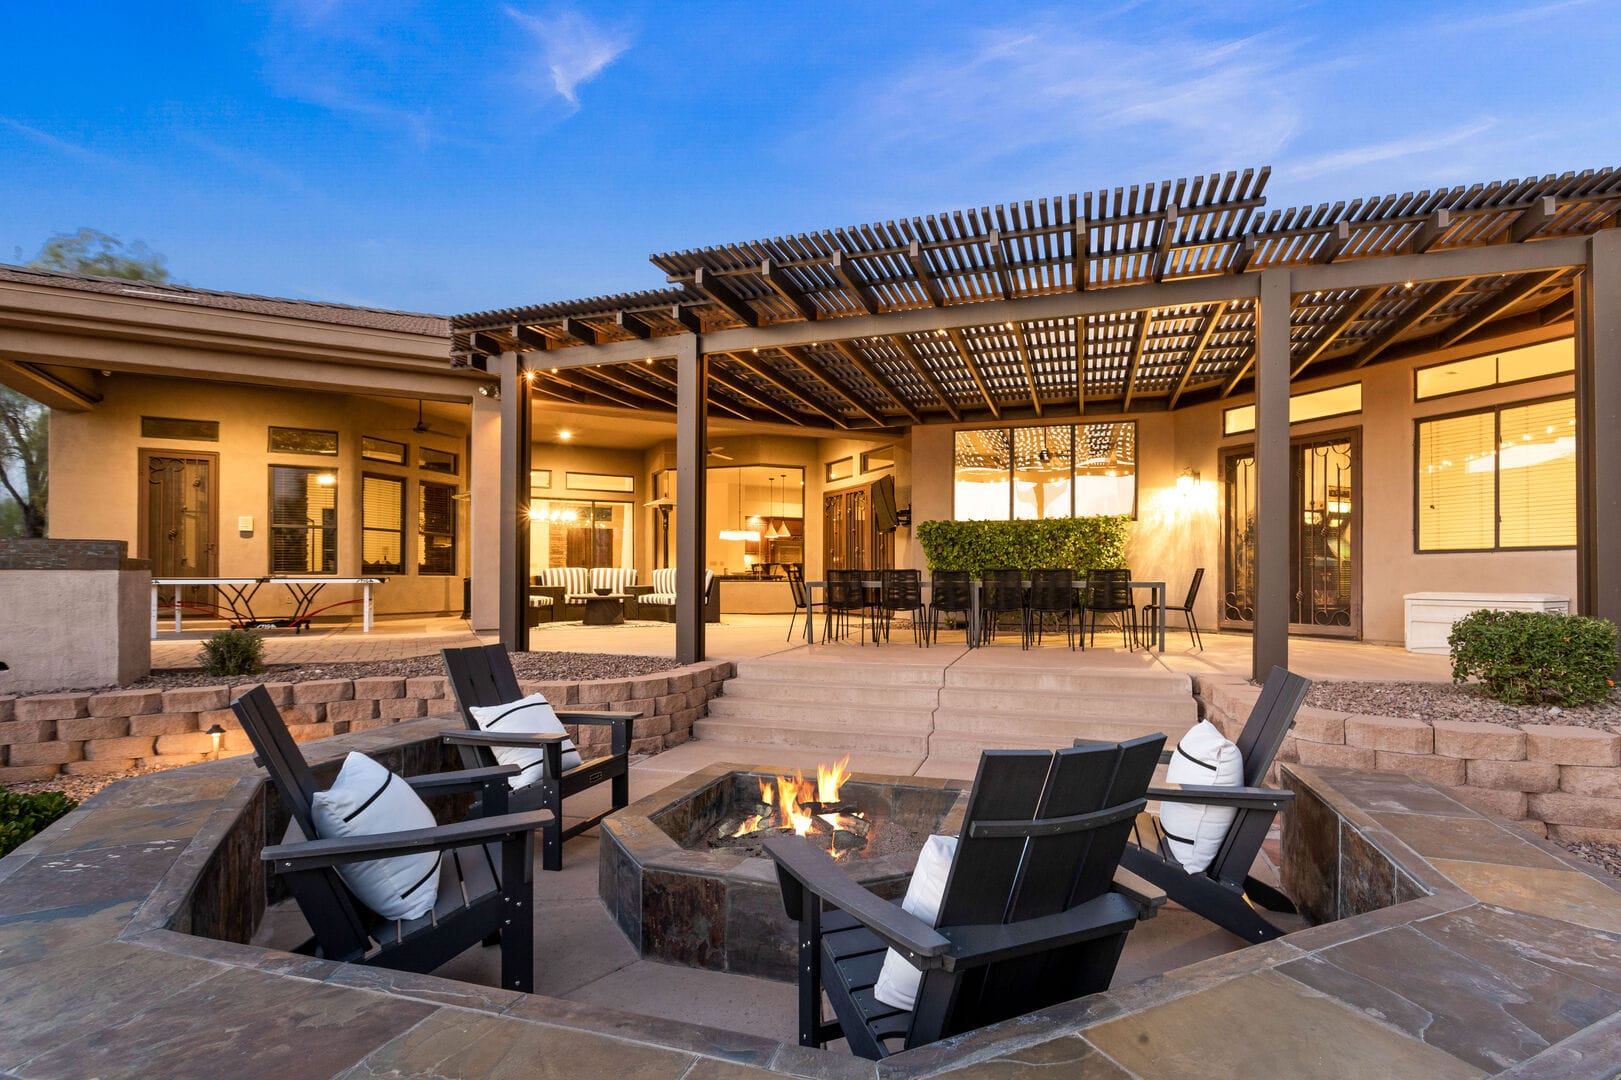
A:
[1449,701]
[536,666]
[1605,856]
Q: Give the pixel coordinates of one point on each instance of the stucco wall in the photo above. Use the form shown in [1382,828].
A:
[96,486]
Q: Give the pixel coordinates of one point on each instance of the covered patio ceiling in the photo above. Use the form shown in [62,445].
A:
[942,319]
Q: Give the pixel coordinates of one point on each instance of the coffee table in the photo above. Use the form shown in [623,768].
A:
[605,610]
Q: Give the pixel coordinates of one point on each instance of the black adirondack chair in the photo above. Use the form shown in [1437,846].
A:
[486,884]
[1225,893]
[1035,910]
[483,675]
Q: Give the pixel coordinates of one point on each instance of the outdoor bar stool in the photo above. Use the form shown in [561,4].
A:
[1002,593]
[846,593]
[952,591]
[796,583]
[1052,592]
[902,590]
[1185,607]
[1108,592]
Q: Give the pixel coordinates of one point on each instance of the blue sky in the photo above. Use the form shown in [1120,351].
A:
[458,156]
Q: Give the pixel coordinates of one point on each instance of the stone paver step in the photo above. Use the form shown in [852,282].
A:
[990,725]
[833,739]
[955,745]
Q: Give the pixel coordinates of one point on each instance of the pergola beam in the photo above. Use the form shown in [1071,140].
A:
[1419,312]
[1334,243]
[1162,249]
[846,273]
[785,288]
[798,357]
[925,374]
[573,381]
[632,326]
[723,294]
[1080,365]
[925,277]
[1137,347]
[1532,219]
[530,337]
[1504,300]
[999,266]
[1352,313]
[1017,330]
[688,318]
[740,390]
[765,376]
[1081,254]
[1201,342]
[955,334]
[866,368]
[1429,231]
[579,331]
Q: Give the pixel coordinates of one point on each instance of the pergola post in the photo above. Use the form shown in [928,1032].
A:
[1598,429]
[1271,641]
[692,496]
[515,451]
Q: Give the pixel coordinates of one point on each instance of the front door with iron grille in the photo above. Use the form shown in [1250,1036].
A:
[178,518]
[1325,517]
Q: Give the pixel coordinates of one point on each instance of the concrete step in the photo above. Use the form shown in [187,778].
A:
[818,714]
[882,668]
[831,691]
[835,740]
[1069,681]
[1046,728]
[967,745]
[1152,707]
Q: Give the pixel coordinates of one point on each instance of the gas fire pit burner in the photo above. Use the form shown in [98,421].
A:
[684,873]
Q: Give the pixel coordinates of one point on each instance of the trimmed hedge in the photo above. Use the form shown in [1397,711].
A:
[22,816]
[1535,657]
[1081,544]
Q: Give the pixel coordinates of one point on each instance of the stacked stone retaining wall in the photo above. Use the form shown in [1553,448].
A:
[1554,780]
[76,734]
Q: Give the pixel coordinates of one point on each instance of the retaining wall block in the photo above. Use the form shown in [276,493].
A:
[670,702]
[45,753]
[650,745]
[1319,725]
[557,694]
[343,712]
[105,749]
[1509,804]
[53,707]
[367,725]
[236,741]
[99,767]
[1391,733]
[297,715]
[196,698]
[1335,756]
[1534,827]
[23,774]
[169,761]
[8,708]
[126,703]
[1445,771]
[380,688]
[93,727]
[1464,739]
[404,708]
[1562,808]
[649,686]
[194,743]
[1539,776]
[1584,834]
[281,693]
[655,725]
[160,724]
[1564,745]
[26,731]
[682,680]
[600,691]
[322,691]
[1599,783]
[427,687]
[645,706]
[309,732]
[225,718]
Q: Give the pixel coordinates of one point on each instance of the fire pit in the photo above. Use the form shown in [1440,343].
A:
[683,874]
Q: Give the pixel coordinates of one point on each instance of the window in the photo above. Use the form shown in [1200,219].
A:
[292,440]
[303,521]
[382,525]
[579,481]
[1060,471]
[881,458]
[1479,372]
[440,461]
[1498,478]
[842,469]
[540,478]
[1335,401]
[168,427]
[374,449]
[436,528]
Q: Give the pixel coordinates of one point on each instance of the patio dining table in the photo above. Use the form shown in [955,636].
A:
[236,599]
[1156,593]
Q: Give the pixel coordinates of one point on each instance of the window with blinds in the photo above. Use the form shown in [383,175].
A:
[382,524]
[303,520]
[436,528]
[1499,478]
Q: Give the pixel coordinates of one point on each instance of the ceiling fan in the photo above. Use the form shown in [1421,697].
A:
[421,427]
[715,451]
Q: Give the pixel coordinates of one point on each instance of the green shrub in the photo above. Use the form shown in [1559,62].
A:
[233,652]
[21,816]
[1535,657]
[1081,544]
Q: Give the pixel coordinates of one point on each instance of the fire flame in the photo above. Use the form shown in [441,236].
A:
[830,778]
[784,795]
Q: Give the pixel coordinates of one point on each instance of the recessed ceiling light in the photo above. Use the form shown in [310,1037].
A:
[565,435]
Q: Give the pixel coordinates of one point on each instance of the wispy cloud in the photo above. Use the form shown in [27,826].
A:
[1376,153]
[573,49]
[73,150]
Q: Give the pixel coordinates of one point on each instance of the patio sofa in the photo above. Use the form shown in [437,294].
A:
[561,592]
[659,602]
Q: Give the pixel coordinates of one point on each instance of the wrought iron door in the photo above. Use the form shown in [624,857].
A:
[1325,514]
[850,540]
[178,506]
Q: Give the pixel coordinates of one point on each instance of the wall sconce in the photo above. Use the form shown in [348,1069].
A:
[216,733]
[1187,482]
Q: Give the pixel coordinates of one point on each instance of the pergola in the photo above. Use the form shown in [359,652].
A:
[1130,300]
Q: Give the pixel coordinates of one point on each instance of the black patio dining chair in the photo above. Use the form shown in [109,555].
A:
[952,591]
[796,584]
[846,595]
[1108,592]
[902,590]
[1052,592]
[1001,592]
[1185,607]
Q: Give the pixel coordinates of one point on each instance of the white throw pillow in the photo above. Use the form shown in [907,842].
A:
[366,799]
[528,716]
[898,981]
[1195,830]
